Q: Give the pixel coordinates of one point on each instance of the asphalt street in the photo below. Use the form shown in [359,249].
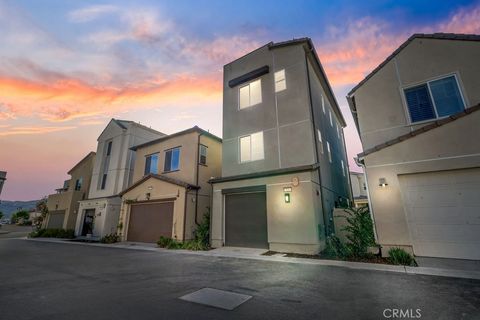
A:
[40,280]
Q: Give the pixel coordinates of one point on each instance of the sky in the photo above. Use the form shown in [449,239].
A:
[67,67]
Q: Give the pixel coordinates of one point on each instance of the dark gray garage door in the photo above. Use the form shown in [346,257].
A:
[150,221]
[246,220]
[55,221]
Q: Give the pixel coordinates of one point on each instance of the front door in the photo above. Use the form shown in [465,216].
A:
[88,222]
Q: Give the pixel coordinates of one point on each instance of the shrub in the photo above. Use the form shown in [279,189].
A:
[202,233]
[110,238]
[360,231]
[401,257]
[335,248]
[170,243]
[53,233]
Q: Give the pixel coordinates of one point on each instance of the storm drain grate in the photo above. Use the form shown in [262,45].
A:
[217,298]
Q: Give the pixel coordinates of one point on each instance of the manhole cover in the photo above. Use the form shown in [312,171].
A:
[217,298]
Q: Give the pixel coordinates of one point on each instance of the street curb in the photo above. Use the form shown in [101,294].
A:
[330,263]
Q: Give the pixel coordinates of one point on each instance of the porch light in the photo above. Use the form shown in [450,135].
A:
[382,182]
[287,197]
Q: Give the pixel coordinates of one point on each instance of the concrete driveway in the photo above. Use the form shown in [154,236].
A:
[41,280]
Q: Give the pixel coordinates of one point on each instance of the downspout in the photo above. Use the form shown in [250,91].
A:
[185,212]
[196,178]
[361,163]
[317,160]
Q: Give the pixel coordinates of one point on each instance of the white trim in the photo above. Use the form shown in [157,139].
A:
[424,160]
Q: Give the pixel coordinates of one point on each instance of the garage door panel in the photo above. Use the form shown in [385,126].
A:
[246,220]
[55,221]
[447,250]
[443,212]
[446,233]
[441,215]
[148,222]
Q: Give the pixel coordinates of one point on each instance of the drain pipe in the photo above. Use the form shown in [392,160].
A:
[196,178]
[361,163]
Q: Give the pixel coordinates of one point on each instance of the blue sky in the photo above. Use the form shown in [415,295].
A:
[67,67]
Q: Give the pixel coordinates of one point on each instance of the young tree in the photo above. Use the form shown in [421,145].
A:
[41,207]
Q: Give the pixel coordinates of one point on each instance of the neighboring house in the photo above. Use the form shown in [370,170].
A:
[171,193]
[418,116]
[112,173]
[284,163]
[359,189]
[63,205]
[3,177]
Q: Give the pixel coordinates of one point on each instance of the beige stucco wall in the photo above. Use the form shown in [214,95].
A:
[292,227]
[381,110]
[452,146]
[69,200]
[159,190]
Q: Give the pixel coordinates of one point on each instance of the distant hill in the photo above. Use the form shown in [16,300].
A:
[9,207]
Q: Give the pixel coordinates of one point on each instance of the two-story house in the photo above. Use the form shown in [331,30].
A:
[112,173]
[359,189]
[170,194]
[63,205]
[418,118]
[284,163]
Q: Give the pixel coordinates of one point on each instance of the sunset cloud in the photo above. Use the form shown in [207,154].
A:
[31,130]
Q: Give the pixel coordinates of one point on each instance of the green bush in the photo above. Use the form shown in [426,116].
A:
[202,233]
[110,238]
[170,243]
[53,233]
[401,257]
[359,230]
[335,248]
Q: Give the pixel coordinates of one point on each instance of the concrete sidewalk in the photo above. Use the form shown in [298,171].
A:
[446,270]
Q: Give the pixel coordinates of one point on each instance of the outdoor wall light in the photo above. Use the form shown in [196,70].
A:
[150,187]
[287,197]
[382,182]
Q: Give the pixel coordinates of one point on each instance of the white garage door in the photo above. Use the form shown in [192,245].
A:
[443,212]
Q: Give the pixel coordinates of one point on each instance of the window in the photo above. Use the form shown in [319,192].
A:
[319,135]
[343,168]
[323,104]
[172,160]
[202,155]
[78,184]
[434,99]
[250,94]
[251,147]
[109,148]
[364,186]
[330,115]
[151,164]
[104,181]
[338,131]
[329,152]
[280,82]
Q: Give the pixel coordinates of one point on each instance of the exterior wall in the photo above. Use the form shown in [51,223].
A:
[333,178]
[197,204]
[451,146]
[159,190]
[292,227]
[107,211]
[358,181]
[382,114]
[68,200]
[284,117]
[122,159]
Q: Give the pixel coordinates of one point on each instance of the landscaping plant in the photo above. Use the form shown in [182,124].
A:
[110,238]
[359,230]
[53,233]
[401,257]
